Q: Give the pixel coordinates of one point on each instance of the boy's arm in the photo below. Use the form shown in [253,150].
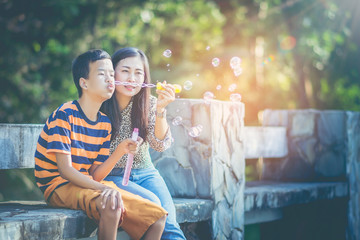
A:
[69,173]
[99,172]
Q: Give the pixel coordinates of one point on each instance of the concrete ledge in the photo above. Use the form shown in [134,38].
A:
[35,220]
[260,195]
[193,210]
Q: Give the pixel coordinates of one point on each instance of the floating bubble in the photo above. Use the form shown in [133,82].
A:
[238,71]
[232,87]
[195,131]
[207,48]
[188,85]
[218,87]
[235,97]
[235,62]
[168,65]
[177,121]
[208,96]
[288,43]
[197,75]
[167,53]
[215,62]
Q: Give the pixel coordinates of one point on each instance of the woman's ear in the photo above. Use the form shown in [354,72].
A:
[82,83]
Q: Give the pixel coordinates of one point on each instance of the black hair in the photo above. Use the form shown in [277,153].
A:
[140,107]
[81,65]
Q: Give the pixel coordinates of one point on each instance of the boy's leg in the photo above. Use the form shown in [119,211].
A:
[156,184]
[156,229]
[109,220]
[142,218]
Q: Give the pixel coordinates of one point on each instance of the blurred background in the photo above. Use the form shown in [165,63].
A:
[273,53]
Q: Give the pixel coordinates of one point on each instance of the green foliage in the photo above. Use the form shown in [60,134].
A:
[298,53]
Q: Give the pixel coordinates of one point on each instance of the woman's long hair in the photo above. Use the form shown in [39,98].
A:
[140,107]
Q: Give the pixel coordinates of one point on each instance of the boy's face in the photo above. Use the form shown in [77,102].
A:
[100,83]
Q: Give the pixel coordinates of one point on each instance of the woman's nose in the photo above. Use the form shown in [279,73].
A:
[132,77]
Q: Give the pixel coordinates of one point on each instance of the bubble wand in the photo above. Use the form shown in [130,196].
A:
[177,87]
[130,159]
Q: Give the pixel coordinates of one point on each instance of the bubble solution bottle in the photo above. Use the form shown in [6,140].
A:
[130,159]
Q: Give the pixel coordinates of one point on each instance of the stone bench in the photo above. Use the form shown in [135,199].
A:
[36,220]
[208,172]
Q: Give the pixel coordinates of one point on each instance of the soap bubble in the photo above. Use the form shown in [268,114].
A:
[232,87]
[207,48]
[218,87]
[177,121]
[195,131]
[168,65]
[188,85]
[167,53]
[208,96]
[288,43]
[235,97]
[215,62]
[235,62]
[197,75]
[238,71]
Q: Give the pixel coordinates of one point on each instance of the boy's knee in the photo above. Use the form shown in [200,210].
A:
[110,214]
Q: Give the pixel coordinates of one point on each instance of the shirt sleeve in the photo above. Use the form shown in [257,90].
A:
[154,142]
[104,151]
[59,132]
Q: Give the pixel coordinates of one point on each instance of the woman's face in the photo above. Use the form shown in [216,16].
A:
[130,73]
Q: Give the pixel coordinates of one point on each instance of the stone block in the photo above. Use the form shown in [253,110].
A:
[302,123]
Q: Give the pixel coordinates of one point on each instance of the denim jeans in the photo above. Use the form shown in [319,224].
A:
[150,185]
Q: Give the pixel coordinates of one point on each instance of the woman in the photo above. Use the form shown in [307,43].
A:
[131,107]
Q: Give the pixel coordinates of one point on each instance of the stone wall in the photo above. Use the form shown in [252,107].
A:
[353,174]
[316,143]
[211,165]
[323,146]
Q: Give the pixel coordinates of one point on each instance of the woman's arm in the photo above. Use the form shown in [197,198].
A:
[99,172]
[165,96]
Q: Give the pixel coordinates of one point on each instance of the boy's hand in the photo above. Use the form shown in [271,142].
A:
[113,197]
[130,146]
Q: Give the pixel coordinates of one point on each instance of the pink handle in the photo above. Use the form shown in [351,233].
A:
[130,159]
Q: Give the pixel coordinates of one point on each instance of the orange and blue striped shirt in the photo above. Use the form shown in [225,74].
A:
[69,131]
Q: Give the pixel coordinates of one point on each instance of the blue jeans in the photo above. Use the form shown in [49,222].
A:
[150,185]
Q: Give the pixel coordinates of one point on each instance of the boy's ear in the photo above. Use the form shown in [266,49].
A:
[82,83]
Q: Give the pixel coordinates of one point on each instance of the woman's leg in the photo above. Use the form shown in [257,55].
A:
[151,180]
[134,188]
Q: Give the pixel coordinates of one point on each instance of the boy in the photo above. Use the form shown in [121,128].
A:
[72,157]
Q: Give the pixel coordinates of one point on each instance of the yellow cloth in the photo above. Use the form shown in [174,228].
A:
[139,213]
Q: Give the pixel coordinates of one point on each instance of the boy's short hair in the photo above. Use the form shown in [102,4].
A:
[81,65]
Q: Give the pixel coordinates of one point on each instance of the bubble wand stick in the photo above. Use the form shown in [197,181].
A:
[177,87]
[130,160]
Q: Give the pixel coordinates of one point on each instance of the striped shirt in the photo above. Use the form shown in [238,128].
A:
[69,131]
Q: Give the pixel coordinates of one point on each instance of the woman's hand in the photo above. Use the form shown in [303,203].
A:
[165,96]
